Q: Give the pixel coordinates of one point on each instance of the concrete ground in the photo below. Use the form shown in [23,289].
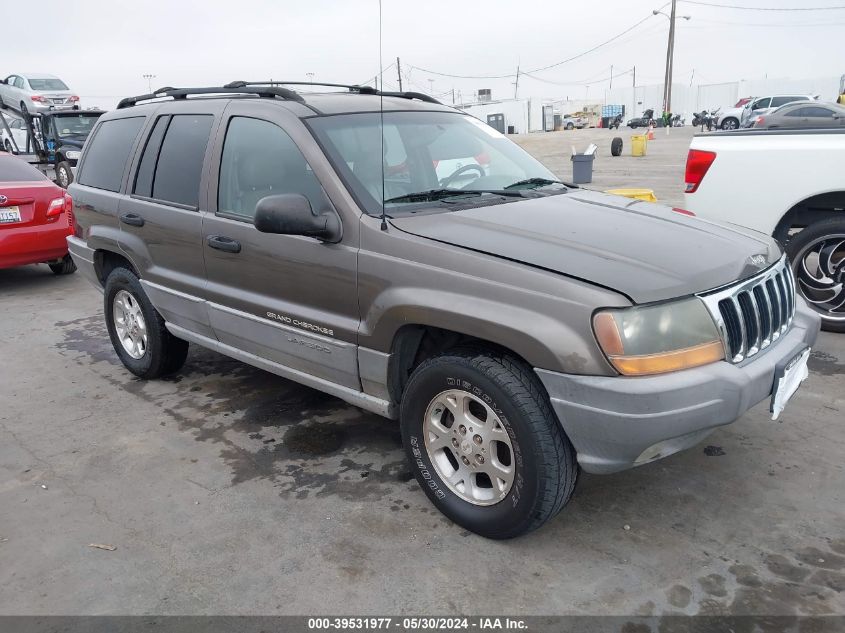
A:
[225,489]
[661,169]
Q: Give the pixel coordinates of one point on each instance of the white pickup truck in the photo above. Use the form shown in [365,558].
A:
[789,184]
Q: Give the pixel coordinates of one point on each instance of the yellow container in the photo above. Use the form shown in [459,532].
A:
[639,143]
[639,194]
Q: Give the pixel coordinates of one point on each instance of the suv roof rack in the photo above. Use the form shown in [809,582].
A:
[364,90]
[270,88]
[182,93]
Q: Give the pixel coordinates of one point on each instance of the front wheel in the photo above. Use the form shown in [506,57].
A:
[817,254]
[569,126]
[730,124]
[64,174]
[484,443]
[137,330]
[7,144]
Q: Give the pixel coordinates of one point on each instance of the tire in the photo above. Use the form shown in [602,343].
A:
[730,123]
[65,266]
[23,108]
[616,146]
[820,246]
[516,408]
[161,353]
[7,145]
[569,126]
[64,175]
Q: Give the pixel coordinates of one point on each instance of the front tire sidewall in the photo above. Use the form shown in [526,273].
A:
[506,518]
[64,168]
[123,279]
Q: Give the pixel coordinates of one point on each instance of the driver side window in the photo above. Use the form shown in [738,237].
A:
[259,160]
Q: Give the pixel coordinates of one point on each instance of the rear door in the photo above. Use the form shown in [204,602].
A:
[160,219]
[288,299]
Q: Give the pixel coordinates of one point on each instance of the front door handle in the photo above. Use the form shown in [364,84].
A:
[132,219]
[223,243]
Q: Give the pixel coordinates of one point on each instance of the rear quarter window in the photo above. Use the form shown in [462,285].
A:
[105,159]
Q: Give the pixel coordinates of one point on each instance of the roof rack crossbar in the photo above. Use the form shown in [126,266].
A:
[368,90]
[183,93]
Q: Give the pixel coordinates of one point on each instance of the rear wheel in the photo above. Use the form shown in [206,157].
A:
[817,254]
[7,145]
[137,330]
[484,443]
[23,108]
[65,266]
[64,175]
[569,126]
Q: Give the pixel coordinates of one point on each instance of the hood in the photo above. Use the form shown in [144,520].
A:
[74,140]
[643,250]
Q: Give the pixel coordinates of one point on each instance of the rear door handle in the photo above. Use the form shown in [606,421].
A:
[133,219]
[223,243]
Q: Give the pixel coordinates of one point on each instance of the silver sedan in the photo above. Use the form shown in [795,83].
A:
[803,115]
[33,92]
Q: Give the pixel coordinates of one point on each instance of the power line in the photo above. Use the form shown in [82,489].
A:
[542,68]
[747,8]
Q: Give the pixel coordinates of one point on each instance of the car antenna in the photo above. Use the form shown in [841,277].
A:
[381,119]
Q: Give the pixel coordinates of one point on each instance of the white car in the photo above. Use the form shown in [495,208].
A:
[17,142]
[763,105]
[36,92]
[785,183]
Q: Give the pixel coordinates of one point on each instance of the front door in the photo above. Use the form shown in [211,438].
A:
[291,300]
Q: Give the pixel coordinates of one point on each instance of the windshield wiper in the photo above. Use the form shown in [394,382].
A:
[441,194]
[538,182]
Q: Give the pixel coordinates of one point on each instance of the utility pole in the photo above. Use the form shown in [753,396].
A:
[149,79]
[610,88]
[431,87]
[399,72]
[634,96]
[516,83]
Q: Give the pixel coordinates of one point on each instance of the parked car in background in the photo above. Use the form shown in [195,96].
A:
[643,121]
[764,105]
[518,328]
[36,217]
[15,137]
[36,92]
[785,183]
[570,122]
[802,115]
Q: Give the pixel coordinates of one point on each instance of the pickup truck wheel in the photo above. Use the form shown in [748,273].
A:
[484,443]
[137,330]
[817,254]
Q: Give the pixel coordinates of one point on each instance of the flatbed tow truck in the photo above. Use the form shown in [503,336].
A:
[54,140]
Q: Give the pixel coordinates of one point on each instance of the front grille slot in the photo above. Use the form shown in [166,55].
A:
[752,314]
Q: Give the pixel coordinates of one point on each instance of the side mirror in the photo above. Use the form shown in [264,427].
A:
[291,214]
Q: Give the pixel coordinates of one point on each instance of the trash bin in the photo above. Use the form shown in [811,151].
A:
[638,194]
[639,143]
[511,129]
[582,168]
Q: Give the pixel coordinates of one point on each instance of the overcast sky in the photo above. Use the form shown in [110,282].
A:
[101,48]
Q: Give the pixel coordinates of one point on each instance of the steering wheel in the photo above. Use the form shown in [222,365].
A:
[462,170]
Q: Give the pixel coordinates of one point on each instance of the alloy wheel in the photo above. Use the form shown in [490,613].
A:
[820,272]
[129,324]
[469,447]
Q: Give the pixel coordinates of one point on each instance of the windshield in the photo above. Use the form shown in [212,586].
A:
[47,84]
[424,152]
[75,125]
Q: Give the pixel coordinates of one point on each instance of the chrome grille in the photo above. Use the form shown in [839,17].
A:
[754,313]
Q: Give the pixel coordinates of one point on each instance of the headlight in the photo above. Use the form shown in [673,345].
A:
[659,338]
[73,155]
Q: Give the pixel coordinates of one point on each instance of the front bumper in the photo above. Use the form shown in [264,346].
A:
[617,422]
